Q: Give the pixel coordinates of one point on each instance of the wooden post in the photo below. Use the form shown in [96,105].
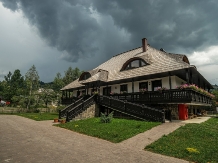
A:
[99,86]
[132,85]
[170,83]
[87,90]
[191,79]
[199,83]
[96,86]
[187,76]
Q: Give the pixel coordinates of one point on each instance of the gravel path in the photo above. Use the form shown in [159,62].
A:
[24,140]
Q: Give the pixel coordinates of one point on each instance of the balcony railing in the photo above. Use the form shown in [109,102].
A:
[166,96]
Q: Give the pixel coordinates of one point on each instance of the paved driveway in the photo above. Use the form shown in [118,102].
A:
[24,140]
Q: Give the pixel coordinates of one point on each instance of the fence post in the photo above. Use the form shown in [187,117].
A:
[124,105]
[163,116]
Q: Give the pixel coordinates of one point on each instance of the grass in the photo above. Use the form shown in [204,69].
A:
[36,116]
[192,142]
[116,131]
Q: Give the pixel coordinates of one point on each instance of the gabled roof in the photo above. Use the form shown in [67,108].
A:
[158,62]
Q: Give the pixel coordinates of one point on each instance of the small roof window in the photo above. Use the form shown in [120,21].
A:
[85,76]
[134,63]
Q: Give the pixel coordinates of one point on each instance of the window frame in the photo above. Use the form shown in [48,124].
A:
[142,83]
[123,86]
[85,76]
[128,65]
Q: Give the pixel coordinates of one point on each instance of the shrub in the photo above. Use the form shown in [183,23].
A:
[106,119]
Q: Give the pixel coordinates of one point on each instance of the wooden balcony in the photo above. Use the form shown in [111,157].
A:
[174,96]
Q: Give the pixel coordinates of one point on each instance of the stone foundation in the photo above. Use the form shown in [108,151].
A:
[90,112]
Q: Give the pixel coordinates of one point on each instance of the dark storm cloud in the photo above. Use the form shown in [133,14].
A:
[85,28]
[170,24]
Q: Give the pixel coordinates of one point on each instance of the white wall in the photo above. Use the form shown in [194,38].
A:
[175,81]
[165,82]
[179,81]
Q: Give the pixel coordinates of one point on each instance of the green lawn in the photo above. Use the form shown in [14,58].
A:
[192,142]
[37,116]
[116,131]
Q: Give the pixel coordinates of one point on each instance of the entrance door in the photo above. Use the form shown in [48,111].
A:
[106,90]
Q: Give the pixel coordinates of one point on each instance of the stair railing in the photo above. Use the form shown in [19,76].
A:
[63,112]
[132,109]
[76,110]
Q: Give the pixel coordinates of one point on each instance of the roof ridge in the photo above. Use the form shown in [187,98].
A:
[126,51]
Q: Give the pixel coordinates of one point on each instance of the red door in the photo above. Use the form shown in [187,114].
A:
[183,111]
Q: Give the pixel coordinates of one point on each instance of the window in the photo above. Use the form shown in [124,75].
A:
[156,84]
[106,90]
[85,76]
[123,88]
[143,63]
[135,63]
[143,85]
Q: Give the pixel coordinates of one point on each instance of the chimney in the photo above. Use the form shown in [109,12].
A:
[144,45]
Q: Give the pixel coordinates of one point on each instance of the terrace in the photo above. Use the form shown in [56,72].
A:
[173,96]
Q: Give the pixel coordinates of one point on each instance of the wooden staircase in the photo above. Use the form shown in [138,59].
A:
[138,111]
[77,109]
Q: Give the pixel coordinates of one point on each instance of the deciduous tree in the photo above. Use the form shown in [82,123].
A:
[32,82]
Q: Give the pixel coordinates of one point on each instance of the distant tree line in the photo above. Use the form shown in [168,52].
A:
[29,92]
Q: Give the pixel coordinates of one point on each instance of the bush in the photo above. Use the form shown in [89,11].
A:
[106,119]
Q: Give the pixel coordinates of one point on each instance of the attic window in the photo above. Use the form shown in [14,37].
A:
[134,64]
[85,76]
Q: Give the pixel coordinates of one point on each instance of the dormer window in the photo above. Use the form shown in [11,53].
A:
[85,76]
[134,64]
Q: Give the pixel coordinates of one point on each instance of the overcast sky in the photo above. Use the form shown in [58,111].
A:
[56,34]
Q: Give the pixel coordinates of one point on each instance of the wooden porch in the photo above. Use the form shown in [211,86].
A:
[174,96]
